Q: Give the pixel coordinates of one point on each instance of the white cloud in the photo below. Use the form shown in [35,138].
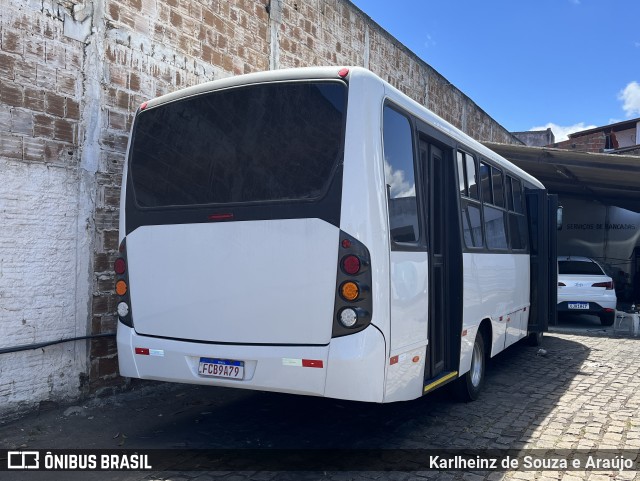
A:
[398,186]
[430,42]
[562,132]
[630,97]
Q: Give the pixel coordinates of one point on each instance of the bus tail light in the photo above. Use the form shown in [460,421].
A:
[353,301]
[120,266]
[351,264]
[349,291]
[122,286]
[123,309]
[348,317]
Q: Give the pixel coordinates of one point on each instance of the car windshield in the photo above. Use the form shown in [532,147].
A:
[579,267]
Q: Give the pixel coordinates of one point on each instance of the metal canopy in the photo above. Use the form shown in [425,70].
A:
[609,178]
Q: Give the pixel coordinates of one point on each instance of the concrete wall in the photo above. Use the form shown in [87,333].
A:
[536,138]
[72,72]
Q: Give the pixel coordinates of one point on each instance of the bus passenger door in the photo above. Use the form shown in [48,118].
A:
[445,262]
[431,161]
[541,213]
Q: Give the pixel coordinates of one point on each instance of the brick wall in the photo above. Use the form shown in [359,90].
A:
[594,142]
[72,72]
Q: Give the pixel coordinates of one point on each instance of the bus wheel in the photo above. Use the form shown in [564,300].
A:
[535,339]
[470,384]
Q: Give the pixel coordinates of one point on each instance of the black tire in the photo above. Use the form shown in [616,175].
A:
[535,339]
[607,318]
[468,386]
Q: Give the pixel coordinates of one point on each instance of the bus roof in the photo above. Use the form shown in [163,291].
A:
[303,73]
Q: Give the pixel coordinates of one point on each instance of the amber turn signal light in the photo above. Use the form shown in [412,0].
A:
[121,288]
[349,291]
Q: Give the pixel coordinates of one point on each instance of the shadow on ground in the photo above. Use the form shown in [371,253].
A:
[521,388]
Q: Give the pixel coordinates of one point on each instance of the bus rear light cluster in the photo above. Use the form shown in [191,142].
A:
[122,286]
[353,304]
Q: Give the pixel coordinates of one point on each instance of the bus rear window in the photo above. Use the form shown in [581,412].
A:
[259,143]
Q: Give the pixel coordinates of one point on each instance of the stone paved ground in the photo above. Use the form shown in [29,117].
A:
[584,394]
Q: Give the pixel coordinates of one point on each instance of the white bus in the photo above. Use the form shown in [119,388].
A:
[315,231]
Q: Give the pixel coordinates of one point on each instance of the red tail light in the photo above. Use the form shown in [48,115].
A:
[351,265]
[561,284]
[120,266]
[607,285]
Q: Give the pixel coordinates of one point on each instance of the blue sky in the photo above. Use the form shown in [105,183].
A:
[566,64]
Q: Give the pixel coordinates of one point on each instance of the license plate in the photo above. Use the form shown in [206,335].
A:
[578,305]
[226,368]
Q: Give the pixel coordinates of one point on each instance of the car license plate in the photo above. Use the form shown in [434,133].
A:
[227,368]
[578,305]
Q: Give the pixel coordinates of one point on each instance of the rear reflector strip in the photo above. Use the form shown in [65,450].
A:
[302,362]
[311,363]
[143,351]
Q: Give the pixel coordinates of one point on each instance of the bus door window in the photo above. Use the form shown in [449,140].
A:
[400,177]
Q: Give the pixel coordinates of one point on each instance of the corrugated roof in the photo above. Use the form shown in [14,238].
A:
[609,178]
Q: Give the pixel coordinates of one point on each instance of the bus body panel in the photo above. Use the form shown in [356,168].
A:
[409,300]
[404,379]
[355,368]
[268,368]
[254,282]
[496,287]
[364,203]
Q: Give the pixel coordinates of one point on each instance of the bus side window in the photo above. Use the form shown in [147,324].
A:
[400,177]
[517,221]
[485,181]
[462,174]
[470,205]
[472,177]
[472,225]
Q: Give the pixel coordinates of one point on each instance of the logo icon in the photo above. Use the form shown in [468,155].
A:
[23,460]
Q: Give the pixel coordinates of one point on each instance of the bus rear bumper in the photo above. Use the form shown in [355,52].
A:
[291,369]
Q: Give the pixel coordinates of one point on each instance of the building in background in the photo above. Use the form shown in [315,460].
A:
[597,223]
[618,138]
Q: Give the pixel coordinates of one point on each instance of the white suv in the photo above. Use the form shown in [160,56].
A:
[584,288]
